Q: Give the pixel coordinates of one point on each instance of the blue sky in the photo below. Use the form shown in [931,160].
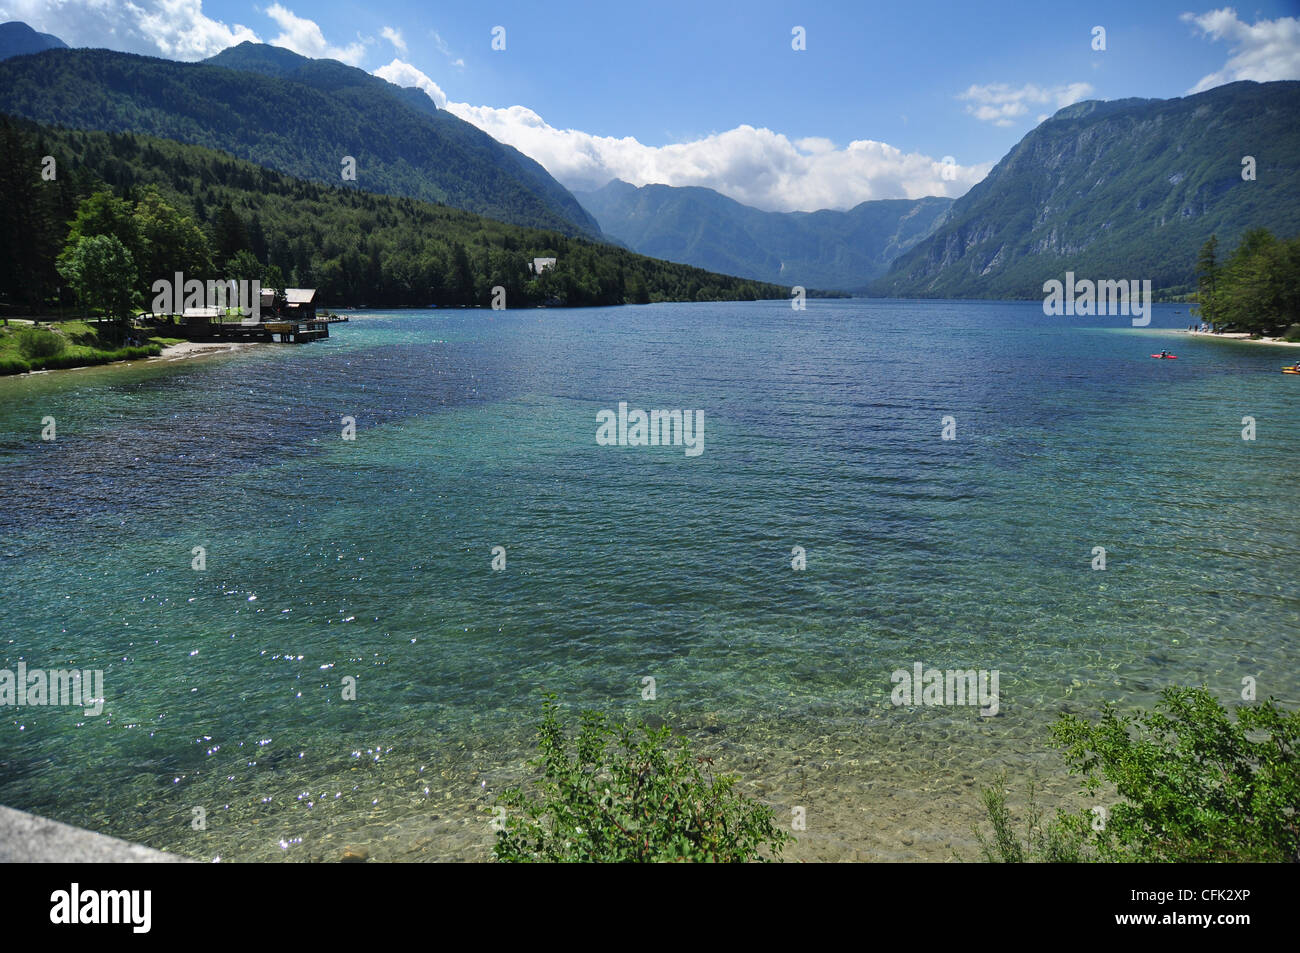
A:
[713,94]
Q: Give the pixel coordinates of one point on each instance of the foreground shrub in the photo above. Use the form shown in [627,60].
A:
[622,792]
[1194,784]
[13,365]
[39,342]
[1060,841]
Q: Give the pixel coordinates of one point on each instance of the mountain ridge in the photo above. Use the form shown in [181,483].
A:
[1125,188]
[19,39]
[301,124]
[826,249]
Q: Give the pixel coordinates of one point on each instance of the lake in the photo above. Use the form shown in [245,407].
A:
[225,732]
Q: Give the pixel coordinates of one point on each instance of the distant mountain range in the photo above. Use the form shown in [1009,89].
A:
[1125,189]
[830,250]
[298,116]
[17,39]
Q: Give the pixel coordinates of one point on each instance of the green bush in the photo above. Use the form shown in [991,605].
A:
[620,793]
[37,342]
[13,365]
[1194,785]
[1292,334]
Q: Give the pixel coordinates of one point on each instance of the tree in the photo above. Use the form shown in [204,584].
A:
[1207,280]
[243,266]
[100,270]
[104,214]
[274,282]
[229,236]
[169,240]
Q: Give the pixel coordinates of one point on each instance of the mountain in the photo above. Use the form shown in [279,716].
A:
[17,38]
[1119,190]
[297,116]
[827,249]
[355,247]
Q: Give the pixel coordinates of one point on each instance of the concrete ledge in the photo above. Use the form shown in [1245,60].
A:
[28,839]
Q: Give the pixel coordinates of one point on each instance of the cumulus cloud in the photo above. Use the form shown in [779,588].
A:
[405,75]
[177,29]
[1002,104]
[1263,51]
[755,166]
[394,37]
[304,36]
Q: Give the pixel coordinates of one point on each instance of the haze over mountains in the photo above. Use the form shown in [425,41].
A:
[825,249]
[17,39]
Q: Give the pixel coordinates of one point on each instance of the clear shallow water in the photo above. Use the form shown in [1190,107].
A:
[475,429]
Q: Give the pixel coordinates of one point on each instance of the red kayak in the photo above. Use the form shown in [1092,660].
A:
[1167,357]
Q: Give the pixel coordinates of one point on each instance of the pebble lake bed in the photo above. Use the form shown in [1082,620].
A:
[326,558]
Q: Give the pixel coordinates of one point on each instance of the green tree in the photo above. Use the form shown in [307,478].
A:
[243,265]
[274,279]
[229,234]
[100,271]
[169,240]
[1207,279]
[104,214]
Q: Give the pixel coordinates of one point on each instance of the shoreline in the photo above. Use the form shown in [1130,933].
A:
[171,353]
[187,350]
[1240,336]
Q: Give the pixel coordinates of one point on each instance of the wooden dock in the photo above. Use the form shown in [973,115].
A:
[278,332]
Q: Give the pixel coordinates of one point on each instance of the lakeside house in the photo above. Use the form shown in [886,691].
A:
[294,322]
[541,264]
[299,304]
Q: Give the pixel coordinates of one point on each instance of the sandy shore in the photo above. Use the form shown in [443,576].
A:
[1241,336]
[188,349]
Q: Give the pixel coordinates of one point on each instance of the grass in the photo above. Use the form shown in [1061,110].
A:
[80,346]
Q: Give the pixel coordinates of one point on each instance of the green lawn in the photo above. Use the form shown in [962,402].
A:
[75,344]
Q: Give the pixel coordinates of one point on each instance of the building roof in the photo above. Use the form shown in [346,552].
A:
[202,312]
[299,295]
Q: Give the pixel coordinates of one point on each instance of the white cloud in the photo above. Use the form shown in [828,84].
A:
[755,166]
[173,28]
[1264,51]
[304,36]
[394,37]
[406,75]
[1002,104]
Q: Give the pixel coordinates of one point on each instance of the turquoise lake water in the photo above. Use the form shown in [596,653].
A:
[371,558]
